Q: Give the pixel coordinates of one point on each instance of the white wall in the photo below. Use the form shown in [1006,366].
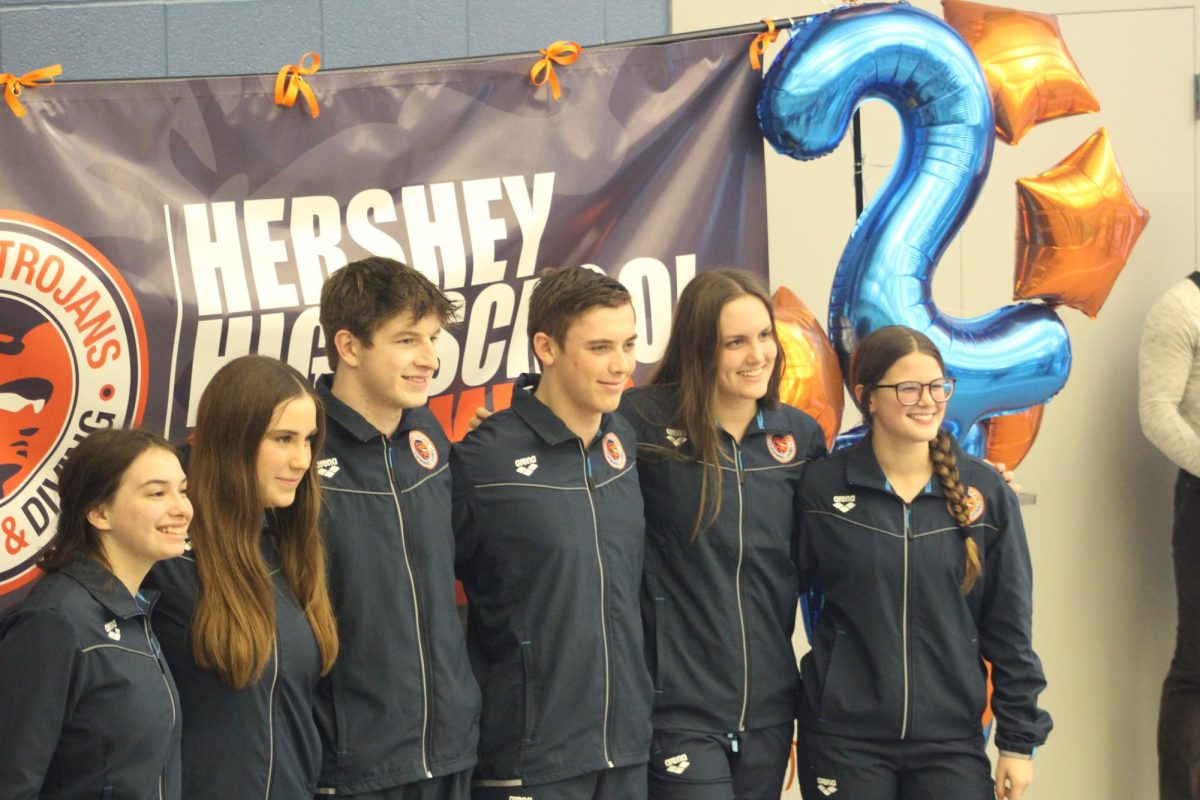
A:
[1100,529]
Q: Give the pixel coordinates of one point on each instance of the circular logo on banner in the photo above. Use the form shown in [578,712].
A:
[974,504]
[782,447]
[422,449]
[614,453]
[73,359]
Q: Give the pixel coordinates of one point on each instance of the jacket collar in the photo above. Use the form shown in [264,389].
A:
[354,423]
[768,420]
[105,588]
[538,416]
[862,469]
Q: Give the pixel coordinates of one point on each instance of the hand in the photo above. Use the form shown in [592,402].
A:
[1013,776]
[1006,473]
[481,414]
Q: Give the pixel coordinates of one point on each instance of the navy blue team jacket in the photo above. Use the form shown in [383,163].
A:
[259,742]
[550,542]
[401,703]
[898,651]
[720,608]
[87,706]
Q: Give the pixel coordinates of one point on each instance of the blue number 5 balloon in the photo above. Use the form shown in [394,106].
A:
[1006,360]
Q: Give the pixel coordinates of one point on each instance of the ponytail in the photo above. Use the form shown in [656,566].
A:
[945,465]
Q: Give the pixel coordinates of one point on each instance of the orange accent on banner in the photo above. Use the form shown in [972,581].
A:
[759,46]
[455,411]
[22,579]
[561,53]
[13,84]
[290,82]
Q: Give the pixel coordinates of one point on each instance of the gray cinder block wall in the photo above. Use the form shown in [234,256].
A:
[181,38]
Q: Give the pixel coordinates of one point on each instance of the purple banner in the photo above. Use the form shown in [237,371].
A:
[150,231]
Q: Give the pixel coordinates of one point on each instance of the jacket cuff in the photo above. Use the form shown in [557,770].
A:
[1017,753]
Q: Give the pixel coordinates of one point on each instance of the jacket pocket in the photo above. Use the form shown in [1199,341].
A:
[660,641]
[337,705]
[527,689]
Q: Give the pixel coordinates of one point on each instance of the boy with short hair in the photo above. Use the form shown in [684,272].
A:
[549,524]
[398,713]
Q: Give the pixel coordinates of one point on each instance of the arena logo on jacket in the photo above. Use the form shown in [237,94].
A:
[73,359]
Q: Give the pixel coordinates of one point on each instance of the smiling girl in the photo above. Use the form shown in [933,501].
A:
[921,555]
[89,707]
[720,460]
[246,620]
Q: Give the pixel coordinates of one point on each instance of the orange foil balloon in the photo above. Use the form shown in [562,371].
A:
[1031,75]
[1009,437]
[812,378]
[1076,225]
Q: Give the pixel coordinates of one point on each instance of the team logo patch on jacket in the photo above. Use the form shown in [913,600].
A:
[614,452]
[974,504]
[422,449]
[782,448]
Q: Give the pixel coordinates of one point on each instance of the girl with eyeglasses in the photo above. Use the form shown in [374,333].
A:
[921,555]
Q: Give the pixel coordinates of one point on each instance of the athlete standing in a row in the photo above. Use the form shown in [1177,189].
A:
[921,555]
[720,460]
[245,619]
[548,518]
[89,708]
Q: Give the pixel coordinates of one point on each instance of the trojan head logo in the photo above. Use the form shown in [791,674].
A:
[72,359]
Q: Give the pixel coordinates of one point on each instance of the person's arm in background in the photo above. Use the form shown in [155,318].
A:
[1165,359]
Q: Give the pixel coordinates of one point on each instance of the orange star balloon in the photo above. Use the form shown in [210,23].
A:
[1076,225]
[1031,75]
[812,378]
[1009,437]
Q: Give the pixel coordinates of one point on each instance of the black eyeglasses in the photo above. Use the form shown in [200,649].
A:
[909,392]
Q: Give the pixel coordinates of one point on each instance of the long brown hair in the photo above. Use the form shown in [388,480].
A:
[90,477]
[690,366]
[233,626]
[873,357]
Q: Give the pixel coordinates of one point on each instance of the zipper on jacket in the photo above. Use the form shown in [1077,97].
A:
[741,475]
[412,583]
[271,720]
[904,620]
[158,659]
[591,487]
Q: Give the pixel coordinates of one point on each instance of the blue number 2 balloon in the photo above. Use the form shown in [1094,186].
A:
[1006,360]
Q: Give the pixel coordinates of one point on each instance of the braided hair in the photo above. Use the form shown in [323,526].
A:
[945,466]
[873,357]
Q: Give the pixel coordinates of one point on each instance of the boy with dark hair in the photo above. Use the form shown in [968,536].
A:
[549,526]
[398,713]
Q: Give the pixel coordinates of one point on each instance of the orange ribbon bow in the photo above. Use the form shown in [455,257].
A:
[759,46]
[13,84]
[561,53]
[289,82]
